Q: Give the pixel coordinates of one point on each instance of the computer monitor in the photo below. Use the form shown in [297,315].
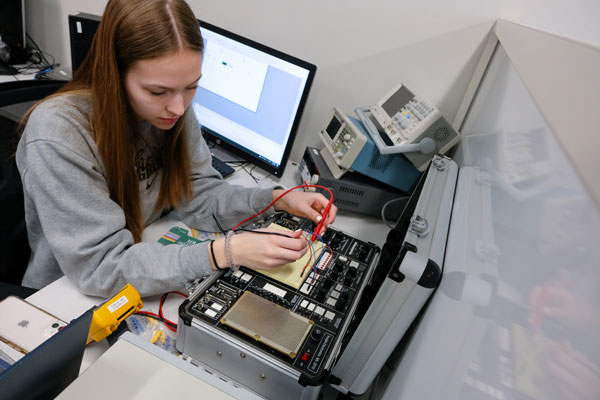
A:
[12,31]
[251,97]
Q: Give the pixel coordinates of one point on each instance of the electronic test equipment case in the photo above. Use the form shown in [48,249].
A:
[339,325]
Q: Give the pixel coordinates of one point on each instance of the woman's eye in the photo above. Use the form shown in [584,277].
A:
[157,93]
[192,88]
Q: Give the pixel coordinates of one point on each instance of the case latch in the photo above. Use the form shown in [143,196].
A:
[419,226]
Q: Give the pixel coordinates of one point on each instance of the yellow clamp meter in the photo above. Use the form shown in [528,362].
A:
[108,316]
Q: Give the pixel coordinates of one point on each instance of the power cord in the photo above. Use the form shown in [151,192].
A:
[385,221]
[38,62]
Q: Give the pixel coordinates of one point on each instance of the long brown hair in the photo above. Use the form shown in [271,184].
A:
[130,31]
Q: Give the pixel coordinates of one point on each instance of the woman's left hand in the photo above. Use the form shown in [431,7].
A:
[309,205]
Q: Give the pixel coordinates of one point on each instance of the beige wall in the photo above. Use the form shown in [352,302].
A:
[361,48]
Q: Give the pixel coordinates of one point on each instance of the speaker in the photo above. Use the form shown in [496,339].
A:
[82,28]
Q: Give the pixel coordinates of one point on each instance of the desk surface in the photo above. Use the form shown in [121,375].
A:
[64,300]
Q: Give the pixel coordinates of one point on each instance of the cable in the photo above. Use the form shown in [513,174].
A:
[38,63]
[309,258]
[383,212]
[160,317]
[41,53]
[157,317]
[263,232]
[283,194]
[218,224]
[322,247]
[169,324]
[315,264]
[256,180]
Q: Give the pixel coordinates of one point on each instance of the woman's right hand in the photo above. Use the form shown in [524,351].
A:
[262,251]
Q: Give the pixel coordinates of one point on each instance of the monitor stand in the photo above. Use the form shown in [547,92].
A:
[223,154]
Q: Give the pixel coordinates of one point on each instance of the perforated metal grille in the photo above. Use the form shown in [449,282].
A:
[346,203]
[352,191]
[441,134]
[268,323]
[380,162]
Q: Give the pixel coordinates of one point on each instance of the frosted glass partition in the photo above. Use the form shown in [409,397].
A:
[517,314]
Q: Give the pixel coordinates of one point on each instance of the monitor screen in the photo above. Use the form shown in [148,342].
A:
[251,97]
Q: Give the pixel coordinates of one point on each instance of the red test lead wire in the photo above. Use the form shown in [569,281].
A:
[323,217]
[322,222]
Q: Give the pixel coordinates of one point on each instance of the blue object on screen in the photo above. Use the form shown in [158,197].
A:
[251,97]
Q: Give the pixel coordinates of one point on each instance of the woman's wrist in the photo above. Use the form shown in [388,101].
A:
[231,263]
[275,194]
[217,255]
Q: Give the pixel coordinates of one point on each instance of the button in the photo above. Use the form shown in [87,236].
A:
[305,288]
[246,277]
[331,301]
[211,313]
[320,310]
[335,294]
[311,307]
[304,303]
[238,273]
[339,287]
[329,315]
[354,264]
[305,356]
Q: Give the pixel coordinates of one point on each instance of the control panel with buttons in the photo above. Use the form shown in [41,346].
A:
[342,138]
[326,302]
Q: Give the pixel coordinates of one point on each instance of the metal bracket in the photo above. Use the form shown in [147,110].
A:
[438,163]
[419,226]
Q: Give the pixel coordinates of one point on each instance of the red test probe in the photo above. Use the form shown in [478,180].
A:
[323,218]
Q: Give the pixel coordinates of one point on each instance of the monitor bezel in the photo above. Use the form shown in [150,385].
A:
[247,155]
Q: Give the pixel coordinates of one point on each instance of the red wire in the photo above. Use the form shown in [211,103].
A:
[172,325]
[158,317]
[168,323]
[283,194]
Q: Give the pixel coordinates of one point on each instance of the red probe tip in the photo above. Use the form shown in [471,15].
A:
[320,224]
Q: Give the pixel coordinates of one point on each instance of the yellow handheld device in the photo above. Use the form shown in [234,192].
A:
[108,316]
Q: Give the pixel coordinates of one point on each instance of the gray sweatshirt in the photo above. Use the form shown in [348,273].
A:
[74,227]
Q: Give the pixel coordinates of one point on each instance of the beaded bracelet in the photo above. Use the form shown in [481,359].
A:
[212,253]
[228,250]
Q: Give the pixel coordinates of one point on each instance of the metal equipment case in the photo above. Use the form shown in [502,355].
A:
[337,328]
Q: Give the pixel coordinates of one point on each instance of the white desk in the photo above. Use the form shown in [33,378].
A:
[18,77]
[63,299]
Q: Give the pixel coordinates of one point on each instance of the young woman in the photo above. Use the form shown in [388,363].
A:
[117,146]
